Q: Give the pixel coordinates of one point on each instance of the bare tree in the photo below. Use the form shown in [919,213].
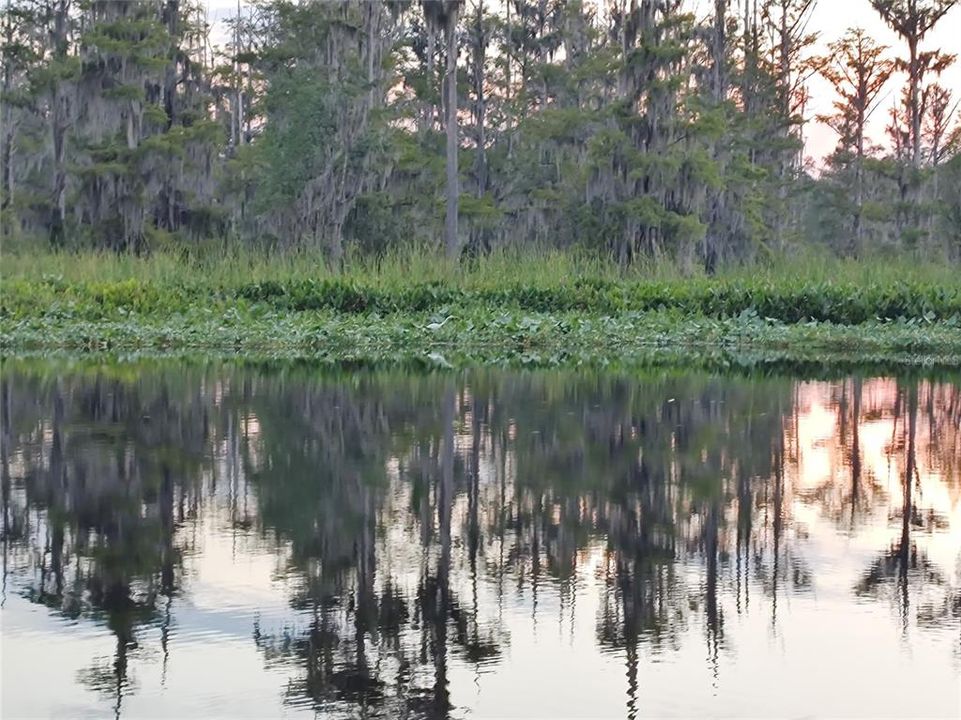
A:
[856,67]
[940,109]
[912,20]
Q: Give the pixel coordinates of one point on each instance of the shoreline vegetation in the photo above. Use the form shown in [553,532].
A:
[535,309]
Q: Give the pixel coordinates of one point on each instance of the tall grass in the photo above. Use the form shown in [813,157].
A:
[94,286]
[239,267]
[397,268]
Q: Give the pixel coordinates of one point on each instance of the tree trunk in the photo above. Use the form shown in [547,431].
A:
[453,191]
[7,123]
[6,155]
[712,237]
[58,125]
[914,80]
[431,50]
[239,84]
[480,115]
[507,81]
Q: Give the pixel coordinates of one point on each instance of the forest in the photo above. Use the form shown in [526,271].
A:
[635,130]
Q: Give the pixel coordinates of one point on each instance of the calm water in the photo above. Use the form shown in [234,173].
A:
[216,540]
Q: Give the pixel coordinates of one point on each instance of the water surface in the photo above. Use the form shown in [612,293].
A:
[282,540]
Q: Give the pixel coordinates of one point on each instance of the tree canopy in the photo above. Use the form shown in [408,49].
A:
[637,128]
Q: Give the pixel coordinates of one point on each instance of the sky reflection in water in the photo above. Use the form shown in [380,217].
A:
[258,541]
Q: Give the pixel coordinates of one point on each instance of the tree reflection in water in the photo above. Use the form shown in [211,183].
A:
[406,511]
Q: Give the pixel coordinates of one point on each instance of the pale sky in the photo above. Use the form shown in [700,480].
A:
[830,18]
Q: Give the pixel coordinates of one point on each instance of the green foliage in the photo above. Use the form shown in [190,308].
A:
[847,304]
[488,336]
[550,309]
[318,125]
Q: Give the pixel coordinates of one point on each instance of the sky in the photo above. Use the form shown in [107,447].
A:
[830,19]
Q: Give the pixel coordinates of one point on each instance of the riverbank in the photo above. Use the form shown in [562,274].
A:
[554,310]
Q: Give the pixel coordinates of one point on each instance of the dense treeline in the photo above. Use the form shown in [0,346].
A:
[654,128]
